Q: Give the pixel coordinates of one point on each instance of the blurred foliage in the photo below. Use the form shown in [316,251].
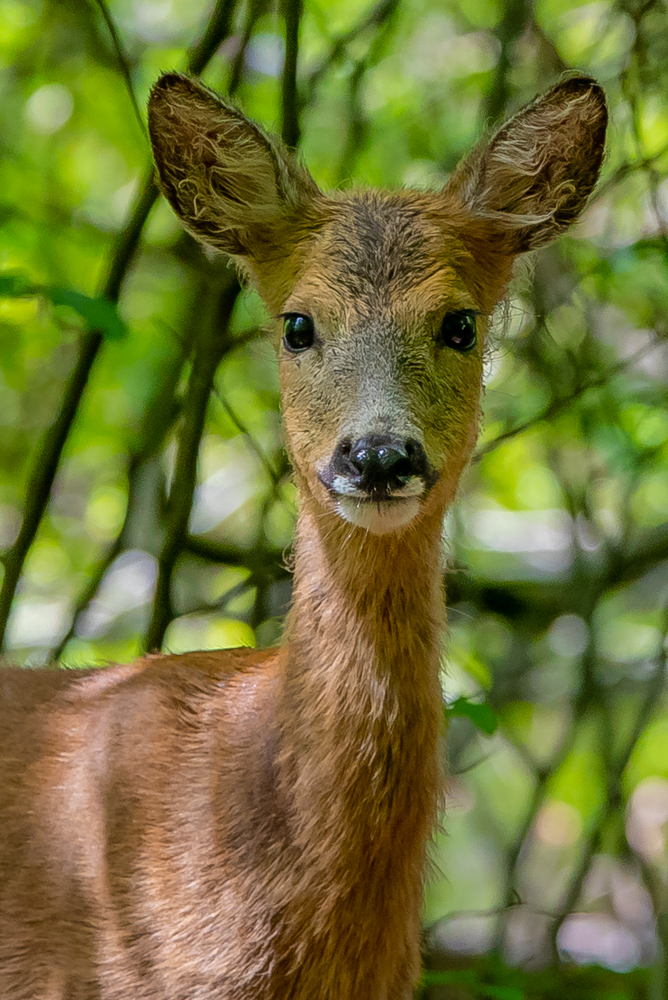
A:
[145,498]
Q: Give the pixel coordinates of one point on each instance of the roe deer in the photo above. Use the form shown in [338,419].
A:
[247,825]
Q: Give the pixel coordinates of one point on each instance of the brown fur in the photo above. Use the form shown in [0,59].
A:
[252,826]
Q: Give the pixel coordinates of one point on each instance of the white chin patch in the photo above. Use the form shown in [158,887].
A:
[378,518]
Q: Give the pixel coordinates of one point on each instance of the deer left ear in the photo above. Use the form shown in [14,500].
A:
[233,187]
[531,181]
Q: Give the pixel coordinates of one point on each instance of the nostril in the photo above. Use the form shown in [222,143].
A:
[363,455]
[417,459]
[380,460]
[344,447]
[390,457]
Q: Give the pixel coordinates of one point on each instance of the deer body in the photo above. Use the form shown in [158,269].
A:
[282,884]
[245,825]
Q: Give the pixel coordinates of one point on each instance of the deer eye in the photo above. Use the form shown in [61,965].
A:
[458,330]
[298,332]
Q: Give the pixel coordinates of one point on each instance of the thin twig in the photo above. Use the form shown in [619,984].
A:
[457,772]
[516,14]
[339,48]
[43,472]
[250,440]
[515,851]
[626,170]
[255,10]
[262,576]
[123,61]
[90,591]
[557,406]
[228,555]
[358,125]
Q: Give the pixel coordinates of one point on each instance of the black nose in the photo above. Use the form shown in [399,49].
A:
[379,463]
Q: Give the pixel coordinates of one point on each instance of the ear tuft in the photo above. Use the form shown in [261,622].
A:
[232,186]
[531,181]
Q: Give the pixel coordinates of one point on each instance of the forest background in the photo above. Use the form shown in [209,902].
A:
[145,497]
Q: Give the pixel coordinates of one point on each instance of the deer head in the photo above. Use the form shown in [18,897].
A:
[380,301]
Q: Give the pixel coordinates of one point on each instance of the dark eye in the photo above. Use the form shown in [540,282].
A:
[458,330]
[298,332]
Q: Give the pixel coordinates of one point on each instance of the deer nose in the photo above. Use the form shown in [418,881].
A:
[380,462]
[380,459]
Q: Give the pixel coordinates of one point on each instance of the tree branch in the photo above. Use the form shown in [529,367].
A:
[215,33]
[42,475]
[158,421]
[654,689]
[212,343]
[290,129]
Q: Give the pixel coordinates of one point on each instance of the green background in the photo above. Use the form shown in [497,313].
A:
[140,439]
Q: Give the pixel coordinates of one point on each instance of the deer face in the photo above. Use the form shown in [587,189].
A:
[380,300]
[380,352]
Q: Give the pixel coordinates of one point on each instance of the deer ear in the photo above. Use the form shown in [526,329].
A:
[532,180]
[232,186]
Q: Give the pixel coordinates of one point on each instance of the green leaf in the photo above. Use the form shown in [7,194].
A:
[15,286]
[99,313]
[482,716]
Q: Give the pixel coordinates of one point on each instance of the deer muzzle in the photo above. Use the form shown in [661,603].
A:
[378,481]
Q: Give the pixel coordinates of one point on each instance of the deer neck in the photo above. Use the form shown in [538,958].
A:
[361,714]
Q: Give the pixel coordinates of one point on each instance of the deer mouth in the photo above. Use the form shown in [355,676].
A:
[379,482]
[341,486]
[380,510]
[379,517]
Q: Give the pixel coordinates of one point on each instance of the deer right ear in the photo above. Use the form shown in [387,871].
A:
[532,180]
[232,186]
